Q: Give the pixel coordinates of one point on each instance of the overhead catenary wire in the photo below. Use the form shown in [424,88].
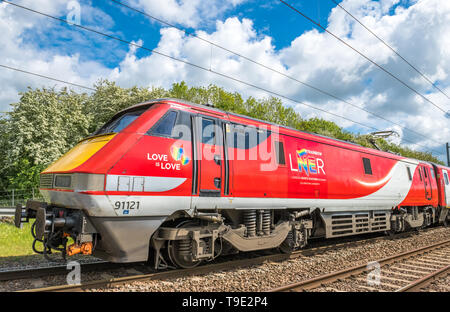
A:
[392,49]
[269,68]
[182,61]
[364,56]
[46,77]
[130,43]
[202,68]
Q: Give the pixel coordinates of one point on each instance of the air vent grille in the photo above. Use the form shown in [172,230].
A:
[46,181]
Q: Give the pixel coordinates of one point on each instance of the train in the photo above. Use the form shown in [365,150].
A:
[177,184]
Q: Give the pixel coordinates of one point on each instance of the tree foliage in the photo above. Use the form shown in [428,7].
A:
[46,123]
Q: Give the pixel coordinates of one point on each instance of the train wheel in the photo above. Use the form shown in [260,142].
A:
[180,251]
[287,246]
[391,234]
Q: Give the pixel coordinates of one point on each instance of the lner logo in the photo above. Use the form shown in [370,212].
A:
[307,162]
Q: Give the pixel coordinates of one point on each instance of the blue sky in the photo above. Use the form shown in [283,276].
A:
[268,32]
[271,18]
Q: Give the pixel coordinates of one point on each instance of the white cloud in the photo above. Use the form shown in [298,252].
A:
[419,33]
[19,53]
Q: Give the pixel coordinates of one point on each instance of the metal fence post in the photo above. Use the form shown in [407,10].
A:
[32,190]
[13,197]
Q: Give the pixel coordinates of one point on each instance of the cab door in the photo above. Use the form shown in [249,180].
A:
[427,183]
[210,155]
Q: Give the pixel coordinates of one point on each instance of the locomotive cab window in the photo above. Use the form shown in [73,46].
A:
[279,150]
[174,124]
[120,122]
[165,125]
[240,137]
[246,137]
[182,129]
[446,178]
[209,130]
[367,166]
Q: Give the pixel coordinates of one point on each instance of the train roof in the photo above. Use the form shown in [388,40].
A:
[439,165]
[212,109]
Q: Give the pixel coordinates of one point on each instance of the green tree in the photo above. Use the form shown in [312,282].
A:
[46,123]
[41,127]
[108,99]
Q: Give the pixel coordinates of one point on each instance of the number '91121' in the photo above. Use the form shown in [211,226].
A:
[126,205]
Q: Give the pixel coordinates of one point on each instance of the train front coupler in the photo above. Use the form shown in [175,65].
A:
[54,225]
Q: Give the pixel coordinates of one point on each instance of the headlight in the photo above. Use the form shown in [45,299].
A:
[80,182]
[63,181]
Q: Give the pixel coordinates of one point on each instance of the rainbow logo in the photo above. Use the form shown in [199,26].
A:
[306,163]
[178,154]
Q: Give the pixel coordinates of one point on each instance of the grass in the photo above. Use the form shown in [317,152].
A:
[15,244]
[14,241]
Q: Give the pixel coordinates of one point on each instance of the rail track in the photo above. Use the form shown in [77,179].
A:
[316,248]
[14,274]
[408,271]
[320,248]
[209,268]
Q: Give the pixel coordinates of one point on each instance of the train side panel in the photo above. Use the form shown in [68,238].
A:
[443,185]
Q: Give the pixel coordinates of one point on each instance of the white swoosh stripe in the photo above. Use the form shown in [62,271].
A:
[382,181]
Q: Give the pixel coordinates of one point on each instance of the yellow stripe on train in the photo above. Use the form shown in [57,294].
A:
[79,154]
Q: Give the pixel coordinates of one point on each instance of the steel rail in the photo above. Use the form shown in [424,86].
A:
[341,274]
[203,269]
[311,251]
[162,275]
[426,280]
[9,275]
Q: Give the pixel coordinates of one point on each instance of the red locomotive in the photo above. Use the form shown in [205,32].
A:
[181,182]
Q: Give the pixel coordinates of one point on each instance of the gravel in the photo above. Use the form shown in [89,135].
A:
[61,279]
[440,285]
[392,276]
[255,278]
[38,261]
[271,275]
